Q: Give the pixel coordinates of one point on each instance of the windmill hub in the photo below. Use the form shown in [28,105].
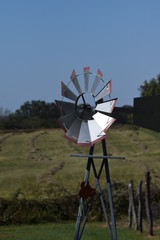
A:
[85,118]
[85,106]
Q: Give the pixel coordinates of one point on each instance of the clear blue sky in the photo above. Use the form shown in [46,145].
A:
[41,41]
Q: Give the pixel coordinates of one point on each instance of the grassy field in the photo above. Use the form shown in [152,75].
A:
[30,161]
[65,231]
[42,157]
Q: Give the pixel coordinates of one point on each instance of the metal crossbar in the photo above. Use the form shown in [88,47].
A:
[96,156]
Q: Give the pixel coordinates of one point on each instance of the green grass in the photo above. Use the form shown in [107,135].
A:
[30,161]
[44,157]
[65,231]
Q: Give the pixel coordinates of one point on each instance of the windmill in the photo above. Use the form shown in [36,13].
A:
[85,115]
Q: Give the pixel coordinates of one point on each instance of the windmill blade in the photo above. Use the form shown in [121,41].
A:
[107,106]
[96,81]
[103,121]
[86,78]
[66,92]
[74,79]
[84,136]
[104,92]
[95,131]
[67,120]
[65,107]
[73,131]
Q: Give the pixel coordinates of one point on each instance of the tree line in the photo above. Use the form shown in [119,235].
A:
[31,115]
[150,88]
[39,114]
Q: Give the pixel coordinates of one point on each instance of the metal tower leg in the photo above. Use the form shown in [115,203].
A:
[109,190]
[97,185]
[85,217]
[101,196]
[81,205]
[80,212]
[112,231]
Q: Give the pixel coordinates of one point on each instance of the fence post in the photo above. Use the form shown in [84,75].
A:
[131,209]
[130,206]
[148,204]
[139,195]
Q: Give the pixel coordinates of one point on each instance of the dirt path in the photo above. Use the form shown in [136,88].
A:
[4,138]
[47,176]
[34,151]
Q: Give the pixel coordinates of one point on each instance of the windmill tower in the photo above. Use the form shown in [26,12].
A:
[85,115]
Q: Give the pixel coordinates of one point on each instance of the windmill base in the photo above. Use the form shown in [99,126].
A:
[79,224]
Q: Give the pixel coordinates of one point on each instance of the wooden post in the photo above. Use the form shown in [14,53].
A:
[148,205]
[132,206]
[139,195]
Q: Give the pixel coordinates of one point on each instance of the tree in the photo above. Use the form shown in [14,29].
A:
[31,115]
[37,108]
[4,113]
[150,88]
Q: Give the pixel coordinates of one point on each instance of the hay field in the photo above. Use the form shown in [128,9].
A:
[29,160]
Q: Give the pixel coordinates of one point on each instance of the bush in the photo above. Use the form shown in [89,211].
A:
[57,206]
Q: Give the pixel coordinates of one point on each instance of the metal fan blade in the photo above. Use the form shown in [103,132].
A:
[73,131]
[84,136]
[104,92]
[74,79]
[96,81]
[66,92]
[65,107]
[103,121]
[95,131]
[86,78]
[107,106]
[67,120]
